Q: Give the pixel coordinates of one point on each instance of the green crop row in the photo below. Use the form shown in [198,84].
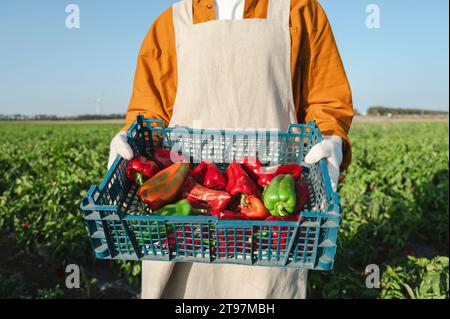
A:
[395,199]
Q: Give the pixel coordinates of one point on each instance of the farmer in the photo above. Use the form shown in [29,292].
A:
[240,64]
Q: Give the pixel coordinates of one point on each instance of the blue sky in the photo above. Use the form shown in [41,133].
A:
[47,68]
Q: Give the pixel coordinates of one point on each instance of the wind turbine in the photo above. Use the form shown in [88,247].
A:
[98,105]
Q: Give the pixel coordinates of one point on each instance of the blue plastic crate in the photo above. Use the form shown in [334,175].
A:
[120,228]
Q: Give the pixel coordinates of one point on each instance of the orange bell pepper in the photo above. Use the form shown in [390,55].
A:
[253,208]
[164,187]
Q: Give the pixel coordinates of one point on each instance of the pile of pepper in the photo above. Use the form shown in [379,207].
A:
[247,190]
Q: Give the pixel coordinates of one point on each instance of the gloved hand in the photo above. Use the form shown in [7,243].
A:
[119,146]
[331,150]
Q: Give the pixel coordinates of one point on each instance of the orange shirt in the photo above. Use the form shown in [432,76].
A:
[321,89]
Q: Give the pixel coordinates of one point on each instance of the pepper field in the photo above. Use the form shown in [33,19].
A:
[395,200]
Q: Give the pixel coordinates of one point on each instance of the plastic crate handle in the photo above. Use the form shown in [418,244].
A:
[139,122]
[88,200]
[156,123]
[292,126]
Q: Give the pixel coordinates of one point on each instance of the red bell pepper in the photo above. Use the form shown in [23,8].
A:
[236,242]
[230,248]
[279,236]
[273,247]
[291,169]
[166,158]
[139,169]
[195,193]
[228,215]
[167,242]
[185,238]
[252,166]
[198,173]
[302,192]
[253,207]
[281,239]
[208,175]
[277,239]
[239,182]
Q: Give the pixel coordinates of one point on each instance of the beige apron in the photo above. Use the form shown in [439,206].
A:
[233,74]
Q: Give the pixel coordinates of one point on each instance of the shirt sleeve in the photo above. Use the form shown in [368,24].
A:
[326,96]
[155,82]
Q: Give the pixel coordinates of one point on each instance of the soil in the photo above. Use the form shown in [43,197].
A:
[40,273]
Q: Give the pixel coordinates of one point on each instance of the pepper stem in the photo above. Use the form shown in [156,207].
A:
[280,208]
[198,211]
[244,200]
[139,178]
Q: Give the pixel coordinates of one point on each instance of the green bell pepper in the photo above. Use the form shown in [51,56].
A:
[279,197]
[181,208]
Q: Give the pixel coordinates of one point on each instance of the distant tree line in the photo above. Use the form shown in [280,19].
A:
[372,111]
[384,111]
[46,117]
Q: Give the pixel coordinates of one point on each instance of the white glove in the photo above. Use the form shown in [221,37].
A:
[331,150]
[119,146]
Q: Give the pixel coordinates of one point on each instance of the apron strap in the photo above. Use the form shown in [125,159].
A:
[279,11]
[183,13]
